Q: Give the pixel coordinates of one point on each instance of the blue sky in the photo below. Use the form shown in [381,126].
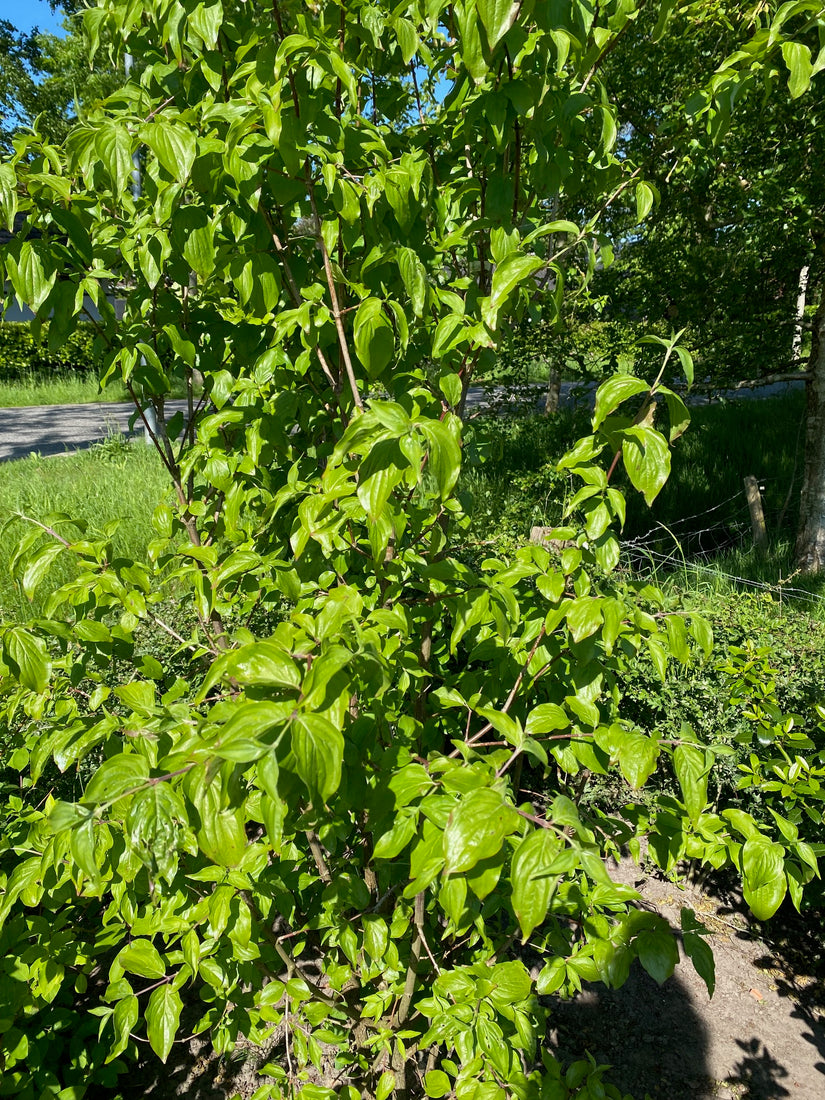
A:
[25,14]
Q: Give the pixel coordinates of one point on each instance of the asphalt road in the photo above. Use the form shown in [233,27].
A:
[59,429]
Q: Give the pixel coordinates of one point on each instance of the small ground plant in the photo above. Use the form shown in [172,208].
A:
[314,833]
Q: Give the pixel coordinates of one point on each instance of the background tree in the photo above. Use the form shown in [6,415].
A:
[47,76]
[733,250]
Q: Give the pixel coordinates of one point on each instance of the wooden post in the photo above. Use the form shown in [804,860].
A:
[760,533]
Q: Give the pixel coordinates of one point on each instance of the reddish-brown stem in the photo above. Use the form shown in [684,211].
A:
[510,698]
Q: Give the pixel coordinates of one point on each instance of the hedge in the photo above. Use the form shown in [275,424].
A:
[22,355]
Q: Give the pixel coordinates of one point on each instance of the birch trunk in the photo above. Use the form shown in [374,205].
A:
[810,541]
[799,317]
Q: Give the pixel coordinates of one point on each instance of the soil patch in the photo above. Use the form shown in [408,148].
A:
[761,1036]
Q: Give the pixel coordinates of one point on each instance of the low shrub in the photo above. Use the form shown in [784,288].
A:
[23,354]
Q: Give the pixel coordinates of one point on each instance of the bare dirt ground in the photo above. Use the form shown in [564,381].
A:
[761,1036]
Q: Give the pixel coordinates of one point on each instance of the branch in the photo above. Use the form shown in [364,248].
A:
[292,967]
[333,294]
[597,64]
[280,248]
[415,955]
[755,383]
[318,856]
[510,698]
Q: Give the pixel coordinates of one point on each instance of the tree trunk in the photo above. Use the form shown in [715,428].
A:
[551,401]
[810,540]
[799,317]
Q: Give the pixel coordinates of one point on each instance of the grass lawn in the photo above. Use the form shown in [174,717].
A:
[69,388]
[109,482]
[60,389]
[696,535]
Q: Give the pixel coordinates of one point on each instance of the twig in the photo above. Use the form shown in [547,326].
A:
[318,856]
[333,294]
[412,968]
[292,967]
[44,527]
[509,701]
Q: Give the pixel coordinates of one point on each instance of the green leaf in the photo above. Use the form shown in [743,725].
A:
[152,825]
[113,145]
[532,886]
[497,17]
[613,392]
[222,834]
[658,953]
[637,758]
[385,1086]
[686,359]
[199,249]
[437,1083]
[124,1018]
[692,770]
[378,475]
[646,458]
[697,949]
[141,957]
[508,275]
[162,1019]
[545,718]
[584,617]
[205,20]
[139,696]
[262,664]
[391,843]
[644,200]
[28,276]
[175,147]
[319,752]
[444,454]
[374,337]
[763,876]
[115,776]
[407,38]
[798,59]
[476,829]
[27,657]
[678,414]
[8,195]
[469,37]
[82,847]
[414,277]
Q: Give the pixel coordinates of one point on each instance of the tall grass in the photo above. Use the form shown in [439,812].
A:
[112,481]
[725,443]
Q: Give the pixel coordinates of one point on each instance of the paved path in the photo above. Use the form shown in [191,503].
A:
[57,429]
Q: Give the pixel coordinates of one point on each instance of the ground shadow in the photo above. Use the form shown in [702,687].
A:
[651,1036]
[795,959]
[657,1044]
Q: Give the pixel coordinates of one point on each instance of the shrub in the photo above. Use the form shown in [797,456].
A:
[24,354]
[317,829]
